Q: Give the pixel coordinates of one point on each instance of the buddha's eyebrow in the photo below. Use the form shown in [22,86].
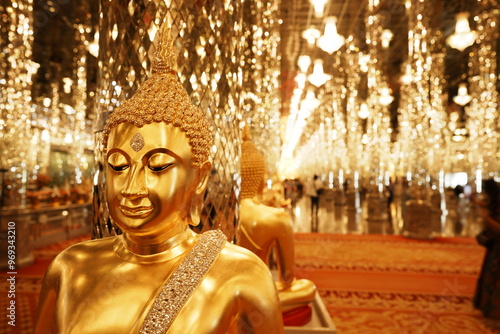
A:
[163,150]
[116,150]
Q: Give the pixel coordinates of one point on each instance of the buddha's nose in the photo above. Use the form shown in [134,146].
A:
[135,186]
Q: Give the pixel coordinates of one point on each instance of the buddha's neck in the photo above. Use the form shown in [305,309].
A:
[175,246]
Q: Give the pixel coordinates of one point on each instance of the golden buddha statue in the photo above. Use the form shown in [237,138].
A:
[158,276]
[263,228]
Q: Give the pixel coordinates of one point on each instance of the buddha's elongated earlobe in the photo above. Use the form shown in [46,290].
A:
[195,210]
[197,200]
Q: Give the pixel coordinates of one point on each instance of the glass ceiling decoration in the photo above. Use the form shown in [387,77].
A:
[363,118]
[261,85]
[410,126]
[16,160]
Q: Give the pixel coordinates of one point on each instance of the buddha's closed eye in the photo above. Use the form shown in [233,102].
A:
[159,162]
[117,162]
[118,168]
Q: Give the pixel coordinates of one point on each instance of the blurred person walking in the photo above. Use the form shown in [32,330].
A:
[487,296]
[314,188]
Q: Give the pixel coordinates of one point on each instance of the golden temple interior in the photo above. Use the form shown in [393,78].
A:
[394,104]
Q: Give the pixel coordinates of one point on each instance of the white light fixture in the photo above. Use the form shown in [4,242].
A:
[67,85]
[301,79]
[385,96]
[363,112]
[454,116]
[463,97]
[68,109]
[463,37]
[331,41]
[311,35]
[386,38]
[319,7]
[68,139]
[407,78]
[94,45]
[46,135]
[318,76]
[304,62]
[363,62]
[46,102]
[309,103]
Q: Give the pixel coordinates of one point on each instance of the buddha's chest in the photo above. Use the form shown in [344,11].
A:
[117,302]
[113,301]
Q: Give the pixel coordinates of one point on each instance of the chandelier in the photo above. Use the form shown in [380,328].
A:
[331,41]
[319,7]
[386,38]
[385,96]
[93,47]
[463,97]
[363,61]
[318,76]
[407,77]
[364,112]
[311,35]
[463,37]
[304,62]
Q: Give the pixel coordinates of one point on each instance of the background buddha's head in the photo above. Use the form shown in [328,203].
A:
[253,168]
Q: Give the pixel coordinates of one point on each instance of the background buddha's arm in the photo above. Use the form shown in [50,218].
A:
[285,244]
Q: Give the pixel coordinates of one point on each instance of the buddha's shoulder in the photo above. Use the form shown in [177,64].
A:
[243,272]
[86,250]
[236,257]
[262,212]
[81,255]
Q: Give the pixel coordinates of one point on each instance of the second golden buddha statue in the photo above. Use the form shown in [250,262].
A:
[263,228]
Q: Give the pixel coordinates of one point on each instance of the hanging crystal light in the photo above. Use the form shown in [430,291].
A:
[304,62]
[301,79]
[386,38]
[318,76]
[364,112]
[463,37]
[363,61]
[309,103]
[93,47]
[331,41]
[311,35]
[407,78]
[463,97]
[319,7]
[385,96]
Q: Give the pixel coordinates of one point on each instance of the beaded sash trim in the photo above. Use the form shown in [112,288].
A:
[184,280]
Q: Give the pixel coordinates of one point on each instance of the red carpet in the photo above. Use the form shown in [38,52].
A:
[391,284]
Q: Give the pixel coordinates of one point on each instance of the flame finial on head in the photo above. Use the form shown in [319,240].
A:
[163,98]
[164,60]
[246,133]
[253,167]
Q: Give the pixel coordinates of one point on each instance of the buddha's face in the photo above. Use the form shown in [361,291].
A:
[150,179]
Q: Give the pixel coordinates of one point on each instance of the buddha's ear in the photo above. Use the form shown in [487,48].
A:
[203,176]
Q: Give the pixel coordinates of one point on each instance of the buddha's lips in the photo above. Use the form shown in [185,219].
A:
[136,211]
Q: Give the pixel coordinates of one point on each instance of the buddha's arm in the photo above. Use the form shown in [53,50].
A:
[285,247]
[45,320]
[258,303]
